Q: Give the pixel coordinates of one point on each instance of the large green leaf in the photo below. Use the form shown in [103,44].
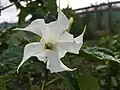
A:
[101,53]
[86,82]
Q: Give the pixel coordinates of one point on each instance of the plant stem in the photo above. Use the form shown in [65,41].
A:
[30,82]
[53,80]
[45,79]
[43,85]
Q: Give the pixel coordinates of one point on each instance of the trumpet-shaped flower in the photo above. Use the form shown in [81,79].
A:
[54,44]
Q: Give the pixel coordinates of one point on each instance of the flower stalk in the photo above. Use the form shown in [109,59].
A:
[30,82]
[43,85]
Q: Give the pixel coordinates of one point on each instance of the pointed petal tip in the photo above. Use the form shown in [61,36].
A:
[57,71]
[84,29]
[36,26]
[15,29]
[18,69]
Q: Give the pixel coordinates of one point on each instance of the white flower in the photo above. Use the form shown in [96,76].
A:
[54,44]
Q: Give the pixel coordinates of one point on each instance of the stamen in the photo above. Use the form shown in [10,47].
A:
[49,46]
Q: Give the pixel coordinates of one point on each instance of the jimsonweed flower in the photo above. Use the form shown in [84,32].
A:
[54,44]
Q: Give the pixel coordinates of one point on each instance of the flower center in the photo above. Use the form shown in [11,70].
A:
[49,46]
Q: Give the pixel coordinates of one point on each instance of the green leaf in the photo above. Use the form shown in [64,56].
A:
[16,38]
[2,85]
[6,78]
[101,53]
[20,37]
[10,59]
[86,82]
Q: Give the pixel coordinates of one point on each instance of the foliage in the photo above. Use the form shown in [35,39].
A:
[88,62]
[108,50]
[37,8]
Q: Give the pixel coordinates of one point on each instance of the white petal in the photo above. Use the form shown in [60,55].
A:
[66,37]
[54,63]
[59,26]
[33,49]
[73,47]
[61,52]
[62,20]
[69,47]
[36,26]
